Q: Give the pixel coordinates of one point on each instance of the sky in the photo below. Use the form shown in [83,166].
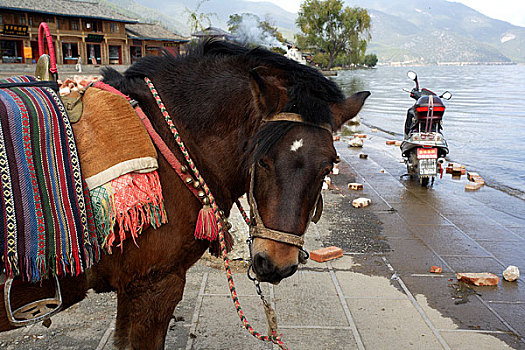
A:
[512,11]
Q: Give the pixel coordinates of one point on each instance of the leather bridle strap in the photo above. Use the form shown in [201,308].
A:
[257,227]
[297,118]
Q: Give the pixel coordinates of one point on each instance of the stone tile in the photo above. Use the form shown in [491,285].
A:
[394,226]
[356,285]
[218,284]
[510,253]
[230,334]
[412,256]
[460,245]
[323,340]
[346,262]
[473,264]
[383,323]
[298,303]
[454,301]
[477,341]
[513,314]
[506,291]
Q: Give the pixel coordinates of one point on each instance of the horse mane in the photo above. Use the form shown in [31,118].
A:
[310,93]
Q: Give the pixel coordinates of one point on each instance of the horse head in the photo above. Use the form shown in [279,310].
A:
[291,154]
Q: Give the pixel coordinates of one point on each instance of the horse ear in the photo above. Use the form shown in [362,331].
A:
[346,110]
[268,93]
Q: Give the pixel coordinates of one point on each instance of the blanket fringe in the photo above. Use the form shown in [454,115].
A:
[124,206]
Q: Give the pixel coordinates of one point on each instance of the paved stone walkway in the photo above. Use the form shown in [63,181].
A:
[379,295]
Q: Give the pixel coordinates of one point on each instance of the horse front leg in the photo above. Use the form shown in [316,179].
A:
[144,311]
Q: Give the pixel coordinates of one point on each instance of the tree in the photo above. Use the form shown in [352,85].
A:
[370,60]
[328,27]
[197,18]
[250,29]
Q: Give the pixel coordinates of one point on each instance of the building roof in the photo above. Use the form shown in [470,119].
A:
[147,31]
[213,32]
[71,8]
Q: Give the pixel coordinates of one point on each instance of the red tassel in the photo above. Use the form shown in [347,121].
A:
[206,227]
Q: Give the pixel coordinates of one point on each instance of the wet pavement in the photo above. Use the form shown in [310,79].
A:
[379,295]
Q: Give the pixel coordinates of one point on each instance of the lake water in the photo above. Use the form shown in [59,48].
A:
[484,122]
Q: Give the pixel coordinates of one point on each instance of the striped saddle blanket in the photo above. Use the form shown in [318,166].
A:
[48,226]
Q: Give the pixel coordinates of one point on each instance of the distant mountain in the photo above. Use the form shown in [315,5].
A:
[431,31]
[410,31]
[174,14]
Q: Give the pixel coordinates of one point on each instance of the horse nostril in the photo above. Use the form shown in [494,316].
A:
[263,265]
[290,270]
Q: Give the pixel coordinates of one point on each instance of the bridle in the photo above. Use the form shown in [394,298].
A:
[257,226]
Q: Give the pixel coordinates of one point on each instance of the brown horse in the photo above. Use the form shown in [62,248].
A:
[219,95]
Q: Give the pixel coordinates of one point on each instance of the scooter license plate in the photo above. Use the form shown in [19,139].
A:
[427,167]
[427,153]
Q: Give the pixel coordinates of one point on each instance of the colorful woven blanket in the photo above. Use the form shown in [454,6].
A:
[47,227]
[124,185]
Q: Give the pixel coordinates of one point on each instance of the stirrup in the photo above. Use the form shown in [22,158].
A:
[32,312]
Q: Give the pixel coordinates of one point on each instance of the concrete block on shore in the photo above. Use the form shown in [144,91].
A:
[355,142]
[436,269]
[354,186]
[473,186]
[511,273]
[361,202]
[325,254]
[479,279]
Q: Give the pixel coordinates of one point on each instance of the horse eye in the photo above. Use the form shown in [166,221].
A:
[263,164]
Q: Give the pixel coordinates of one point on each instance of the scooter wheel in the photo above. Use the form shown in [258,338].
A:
[424,181]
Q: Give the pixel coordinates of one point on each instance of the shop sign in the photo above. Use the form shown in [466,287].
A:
[28,52]
[94,38]
[170,44]
[14,29]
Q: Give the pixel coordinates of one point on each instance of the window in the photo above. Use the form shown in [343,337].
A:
[74,24]
[70,51]
[114,27]
[114,54]
[22,20]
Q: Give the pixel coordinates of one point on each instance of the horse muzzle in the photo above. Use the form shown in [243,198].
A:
[266,271]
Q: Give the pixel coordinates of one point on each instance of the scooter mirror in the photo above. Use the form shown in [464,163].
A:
[446,95]
[412,75]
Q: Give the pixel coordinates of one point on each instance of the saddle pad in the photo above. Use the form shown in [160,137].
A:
[111,139]
[47,227]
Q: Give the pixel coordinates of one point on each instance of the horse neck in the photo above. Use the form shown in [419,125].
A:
[218,149]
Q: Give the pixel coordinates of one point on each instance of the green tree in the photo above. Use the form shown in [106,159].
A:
[196,18]
[328,27]
[370,60]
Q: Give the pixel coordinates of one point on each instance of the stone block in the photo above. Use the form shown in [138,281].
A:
[354,186]
[361,202]
[479,279]
[436,269]
[355,142]
[325,254]
[473,186]
[511,273]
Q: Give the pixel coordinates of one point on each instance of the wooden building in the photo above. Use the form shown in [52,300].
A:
[152,39]
[82,30]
